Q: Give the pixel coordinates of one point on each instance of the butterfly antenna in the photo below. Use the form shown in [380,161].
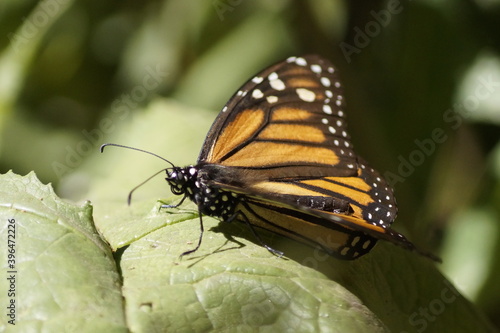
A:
[129,198]
[132,148]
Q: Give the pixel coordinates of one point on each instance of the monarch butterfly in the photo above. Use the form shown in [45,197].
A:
[278,157]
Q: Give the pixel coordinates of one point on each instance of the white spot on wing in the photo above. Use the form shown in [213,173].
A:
[272,76]
[301,61]
[277,84]
[305,94]
[257,79]
[316,68]
[257,93]
[272,99]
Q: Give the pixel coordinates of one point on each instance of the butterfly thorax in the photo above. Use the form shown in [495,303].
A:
[211,201]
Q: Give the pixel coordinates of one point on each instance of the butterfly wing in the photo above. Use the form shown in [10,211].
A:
[345,237]
[281,143]
[287,121]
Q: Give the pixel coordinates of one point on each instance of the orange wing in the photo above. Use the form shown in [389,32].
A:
[288,121]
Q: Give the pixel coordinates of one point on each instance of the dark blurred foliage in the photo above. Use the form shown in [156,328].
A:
[407,67]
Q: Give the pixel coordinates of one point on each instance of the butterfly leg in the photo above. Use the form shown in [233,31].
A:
[254,232]
[173,206]
[202,229]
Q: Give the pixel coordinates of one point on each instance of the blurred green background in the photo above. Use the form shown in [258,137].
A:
[421,78]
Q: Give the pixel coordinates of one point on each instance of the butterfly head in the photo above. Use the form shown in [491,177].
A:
[182,180]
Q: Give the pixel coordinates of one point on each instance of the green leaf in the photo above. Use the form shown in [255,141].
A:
[230,284]
[233,284]
[65,278]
